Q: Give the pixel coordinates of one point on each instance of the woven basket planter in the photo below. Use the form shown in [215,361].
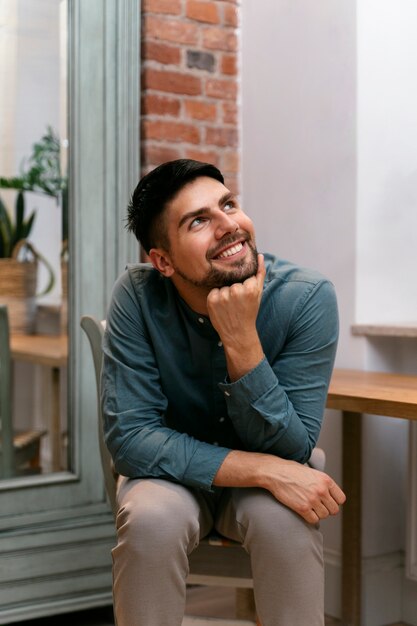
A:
[18,280]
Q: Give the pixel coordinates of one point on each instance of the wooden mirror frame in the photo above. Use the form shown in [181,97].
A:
[56,530]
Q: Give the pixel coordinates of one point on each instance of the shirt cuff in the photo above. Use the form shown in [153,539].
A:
[252,385]
[204,465]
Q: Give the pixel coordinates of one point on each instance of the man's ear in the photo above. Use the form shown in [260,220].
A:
[161,261]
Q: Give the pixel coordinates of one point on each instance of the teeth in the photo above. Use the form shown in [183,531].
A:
[230,251]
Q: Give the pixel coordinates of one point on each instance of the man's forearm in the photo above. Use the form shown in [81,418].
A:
[311,494]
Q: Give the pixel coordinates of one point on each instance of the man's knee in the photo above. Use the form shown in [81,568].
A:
[267,521]
[156,517]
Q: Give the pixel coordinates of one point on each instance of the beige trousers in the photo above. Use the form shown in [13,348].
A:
[159,524]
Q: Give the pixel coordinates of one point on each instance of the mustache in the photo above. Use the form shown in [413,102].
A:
[226,242]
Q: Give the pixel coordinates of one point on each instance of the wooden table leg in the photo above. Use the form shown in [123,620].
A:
[351,521]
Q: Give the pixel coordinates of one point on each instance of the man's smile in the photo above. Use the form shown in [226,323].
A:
[231,249]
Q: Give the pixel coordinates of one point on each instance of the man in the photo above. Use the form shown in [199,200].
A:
[216,368]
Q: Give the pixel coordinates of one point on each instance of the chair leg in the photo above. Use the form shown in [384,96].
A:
[245,604]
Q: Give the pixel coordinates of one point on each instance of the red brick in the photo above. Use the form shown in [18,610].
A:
[223,89]
[200,110]
[230,15]
[203,11]
[172,7]
[230,112]
[165,29]
[230,162]
[172,82]
[154,155]
[220,39]
[161,52]
[155,104]
[232,183]
[170,131]
[224,137]
[202,155]
[229,64]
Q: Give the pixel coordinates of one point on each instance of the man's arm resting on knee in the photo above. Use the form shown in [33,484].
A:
[308,492]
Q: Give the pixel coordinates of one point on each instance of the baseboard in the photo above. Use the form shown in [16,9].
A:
[382,588]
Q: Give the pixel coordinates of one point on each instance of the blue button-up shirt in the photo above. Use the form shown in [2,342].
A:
[169,409]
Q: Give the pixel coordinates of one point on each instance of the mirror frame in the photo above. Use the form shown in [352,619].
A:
[43,517]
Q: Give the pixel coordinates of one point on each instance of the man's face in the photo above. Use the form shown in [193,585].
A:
[211,240]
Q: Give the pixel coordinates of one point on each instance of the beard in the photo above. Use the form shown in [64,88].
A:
[216,278]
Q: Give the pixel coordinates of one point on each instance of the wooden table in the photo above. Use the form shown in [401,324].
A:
[355,392]
[50,351]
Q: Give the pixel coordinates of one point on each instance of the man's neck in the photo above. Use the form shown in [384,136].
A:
[194,296]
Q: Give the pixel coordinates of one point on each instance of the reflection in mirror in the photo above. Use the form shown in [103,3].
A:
[33,237]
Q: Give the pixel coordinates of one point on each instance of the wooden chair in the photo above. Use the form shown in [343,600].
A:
[19,450]
[217,561]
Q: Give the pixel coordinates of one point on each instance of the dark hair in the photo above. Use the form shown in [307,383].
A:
[153,193]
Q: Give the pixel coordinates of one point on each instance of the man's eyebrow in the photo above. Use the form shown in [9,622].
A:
[197,212]
[192,214]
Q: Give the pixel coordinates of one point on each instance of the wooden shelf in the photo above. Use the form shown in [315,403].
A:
[408,330]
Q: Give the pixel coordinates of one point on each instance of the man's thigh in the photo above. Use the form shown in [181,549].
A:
[156,504]
[254,514]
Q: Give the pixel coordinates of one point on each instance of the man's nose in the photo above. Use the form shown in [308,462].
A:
[225,224]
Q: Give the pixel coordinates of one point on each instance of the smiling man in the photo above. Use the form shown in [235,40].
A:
[217,361]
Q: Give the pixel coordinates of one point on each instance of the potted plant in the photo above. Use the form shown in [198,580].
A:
[18,258]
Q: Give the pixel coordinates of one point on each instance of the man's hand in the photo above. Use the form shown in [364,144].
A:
[233,311]
[308,492]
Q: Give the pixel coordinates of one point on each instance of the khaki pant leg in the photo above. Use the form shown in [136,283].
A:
[158,524]
[286,556]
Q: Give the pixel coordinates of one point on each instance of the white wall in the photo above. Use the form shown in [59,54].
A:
[299,152]
[30,100]
[329,176]
[387,161]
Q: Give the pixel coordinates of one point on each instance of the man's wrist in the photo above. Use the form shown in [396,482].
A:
[244,469]
[241,359]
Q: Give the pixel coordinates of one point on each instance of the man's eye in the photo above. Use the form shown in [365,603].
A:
[229,206]
[197,221]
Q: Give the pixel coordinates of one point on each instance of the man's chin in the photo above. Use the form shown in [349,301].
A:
[227,277]
[218,277]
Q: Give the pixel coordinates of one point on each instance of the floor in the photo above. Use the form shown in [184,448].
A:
[201,601]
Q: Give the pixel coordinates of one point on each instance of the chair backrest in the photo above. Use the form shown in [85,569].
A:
[94,331]
[6,426]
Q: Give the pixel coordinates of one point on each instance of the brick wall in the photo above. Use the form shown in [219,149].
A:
[190,83]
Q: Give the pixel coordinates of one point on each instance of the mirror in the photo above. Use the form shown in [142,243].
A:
[34,235]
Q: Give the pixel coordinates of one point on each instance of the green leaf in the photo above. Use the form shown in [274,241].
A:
[19,211]
[7,223]
[6,241]
[12,183]
[27,226]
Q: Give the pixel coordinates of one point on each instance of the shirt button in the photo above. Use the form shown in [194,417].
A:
[201,320]
[220,343]
[226,393]
[215,443]
[221,420]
